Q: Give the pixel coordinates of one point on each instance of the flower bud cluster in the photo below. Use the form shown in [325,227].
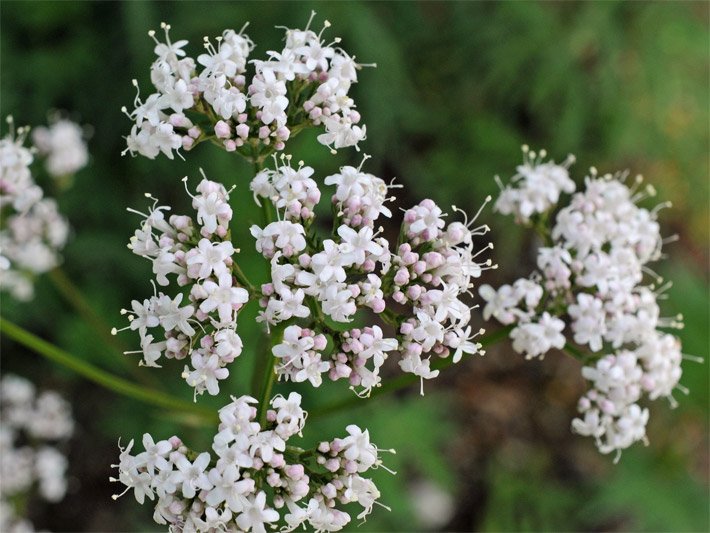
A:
[32,426]
[33,231]
[302,356]
[590,278]
[197,254]
[305,84]
[253,478]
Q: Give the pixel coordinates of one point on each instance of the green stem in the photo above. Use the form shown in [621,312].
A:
[269,373]
[244,281]
[276,333]
[403,380]
[575,352]
[73,295]
[101,377]
[75,298]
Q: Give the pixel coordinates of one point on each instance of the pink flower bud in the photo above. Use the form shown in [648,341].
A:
[222,130]
[304,260]
[332,465]
[187,143]
[295,472]
[401,277]
[242,131]
[414,292]
[267,289]
[319,343]
[328,490]
[350,467]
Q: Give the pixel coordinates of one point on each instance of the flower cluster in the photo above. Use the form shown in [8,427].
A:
[417,290]
[33,231]
[254,478]
[536,187]
[306,84]
[197,255]
[63,146]
[590,279]
[31,426]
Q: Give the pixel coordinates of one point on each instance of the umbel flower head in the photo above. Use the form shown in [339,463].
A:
[33,231]
[590,290]
[252,106]
[253,477]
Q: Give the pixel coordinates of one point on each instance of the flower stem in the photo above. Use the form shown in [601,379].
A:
[576,353]
[269,373]
[101,377]
[403,380]
[73,295]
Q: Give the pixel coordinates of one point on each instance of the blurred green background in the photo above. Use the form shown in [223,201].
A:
[457,89]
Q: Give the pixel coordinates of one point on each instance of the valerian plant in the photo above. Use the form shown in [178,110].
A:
[413,290]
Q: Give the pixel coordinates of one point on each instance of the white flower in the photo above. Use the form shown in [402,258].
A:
[208,258]
[192,476]
[208,371]
[328,264]
[172,316]
[212,205]
[535,339]
[287,237]
[269,94]
[358,448]
[229,344]
[223,297]
[155,454]
[588,321]
[428,331]
[256,514]
[358,244]
[229,488]
[178,96]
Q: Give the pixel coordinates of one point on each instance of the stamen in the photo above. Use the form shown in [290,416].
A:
[365,157]
[313,14]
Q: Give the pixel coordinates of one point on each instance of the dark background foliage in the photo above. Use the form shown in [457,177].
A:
[458,88]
